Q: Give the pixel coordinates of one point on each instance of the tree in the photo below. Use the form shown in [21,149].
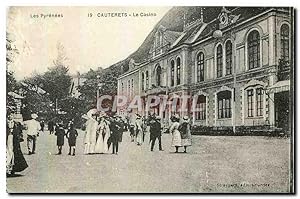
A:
[107,78]
[61,55]
[11,82]
[11,50]
[56,81]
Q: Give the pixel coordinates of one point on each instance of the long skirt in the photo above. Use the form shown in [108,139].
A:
[139,137]
[15,161]
[176,139]
[101,144]
[9,154]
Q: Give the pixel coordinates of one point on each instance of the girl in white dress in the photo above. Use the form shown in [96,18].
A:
[104,134]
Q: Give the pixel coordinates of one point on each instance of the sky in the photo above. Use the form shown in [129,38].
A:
[89,42]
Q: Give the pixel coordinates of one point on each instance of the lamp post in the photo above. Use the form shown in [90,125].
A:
[99,85]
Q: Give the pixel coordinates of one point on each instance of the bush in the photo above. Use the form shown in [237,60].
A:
[263,130]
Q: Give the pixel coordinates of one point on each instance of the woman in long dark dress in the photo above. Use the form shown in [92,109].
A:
[15,161]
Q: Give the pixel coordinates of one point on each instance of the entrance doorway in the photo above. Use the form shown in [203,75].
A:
[282,111]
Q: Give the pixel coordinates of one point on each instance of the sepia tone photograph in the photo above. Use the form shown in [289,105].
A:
[178,99]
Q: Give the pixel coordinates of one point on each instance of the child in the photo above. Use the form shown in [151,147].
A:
[60,134]
[71,136]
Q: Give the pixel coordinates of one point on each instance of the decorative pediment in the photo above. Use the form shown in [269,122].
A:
[224,88]
[254,83]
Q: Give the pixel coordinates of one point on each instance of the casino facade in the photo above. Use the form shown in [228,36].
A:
[238,67]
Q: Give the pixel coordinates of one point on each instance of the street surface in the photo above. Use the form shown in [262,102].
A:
[213,164]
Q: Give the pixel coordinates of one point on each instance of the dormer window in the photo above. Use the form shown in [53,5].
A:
[159,40]
[158,43]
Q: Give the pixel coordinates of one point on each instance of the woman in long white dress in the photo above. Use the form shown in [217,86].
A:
[104,134]
[139,130]
[90,136]
[176,137]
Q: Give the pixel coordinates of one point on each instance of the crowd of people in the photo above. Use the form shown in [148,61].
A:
[103,134]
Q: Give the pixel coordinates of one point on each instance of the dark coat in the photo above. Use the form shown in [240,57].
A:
[20,163]
[155,129]
[60,133]
[51,126]
[72,135]
[115,129]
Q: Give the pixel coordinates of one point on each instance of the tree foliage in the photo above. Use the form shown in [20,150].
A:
[105,79]
[11,50]
[56,81]
[11,82]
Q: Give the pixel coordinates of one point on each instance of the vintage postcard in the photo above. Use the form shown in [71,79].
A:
[189,99]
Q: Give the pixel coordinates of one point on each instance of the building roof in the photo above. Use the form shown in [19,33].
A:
[177,17]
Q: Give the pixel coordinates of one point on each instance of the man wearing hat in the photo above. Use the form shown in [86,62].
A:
[115,129]
[155,132]
[32,128]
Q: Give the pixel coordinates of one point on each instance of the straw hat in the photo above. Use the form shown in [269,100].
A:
[185,119]
[34,116]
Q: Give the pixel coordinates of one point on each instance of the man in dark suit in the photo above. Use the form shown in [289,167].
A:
[115,129]
[155,132]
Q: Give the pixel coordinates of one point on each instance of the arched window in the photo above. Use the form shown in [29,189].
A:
[172,72]
[147,80]
[224,104]
[178,70]
[284,41]
[219,61]
[143,81]
[228,58]
[253,49]
[158,75]
[200,67]
[201,108]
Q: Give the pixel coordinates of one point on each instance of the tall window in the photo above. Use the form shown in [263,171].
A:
[284,40]
[143,81]
[253,50]
[147,80]
[224,104]
[200,67]
[129,90]
[201,107]
[122,87]
[219,61]
[228,58]
[178,70]
[172,72]
[250,102]
[132,87]
[158,75]
[259,102]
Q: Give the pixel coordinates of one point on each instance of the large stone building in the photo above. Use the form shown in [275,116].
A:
[237,66]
